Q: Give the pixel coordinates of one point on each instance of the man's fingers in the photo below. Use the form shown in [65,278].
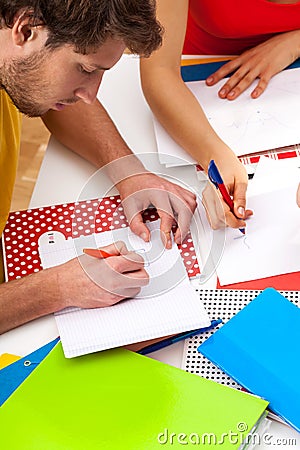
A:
[131,262]
[184,217]
[166,223]
[133,208]
[137,279]
[174,204]
[117,248]
[134,257]
[139,227]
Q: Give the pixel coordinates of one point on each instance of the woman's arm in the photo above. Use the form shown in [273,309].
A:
[181,115]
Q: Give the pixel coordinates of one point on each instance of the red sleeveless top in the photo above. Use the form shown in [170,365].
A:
[228,27]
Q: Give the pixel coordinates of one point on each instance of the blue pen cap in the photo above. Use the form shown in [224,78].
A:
[214,174]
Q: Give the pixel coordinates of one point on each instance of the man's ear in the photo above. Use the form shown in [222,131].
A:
[24,30]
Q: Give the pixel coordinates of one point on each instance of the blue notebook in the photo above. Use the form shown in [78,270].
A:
[13,375]
[259,348]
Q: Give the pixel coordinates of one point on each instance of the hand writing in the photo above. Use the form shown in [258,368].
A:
[88,282]
[236,180]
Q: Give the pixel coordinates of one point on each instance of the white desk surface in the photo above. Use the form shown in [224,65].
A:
[62,177]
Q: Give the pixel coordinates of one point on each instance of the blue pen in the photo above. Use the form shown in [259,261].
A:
[216,179]
[179,337]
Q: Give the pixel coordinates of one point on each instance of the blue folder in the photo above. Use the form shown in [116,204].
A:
[196,72]
[259,348]
[13,375]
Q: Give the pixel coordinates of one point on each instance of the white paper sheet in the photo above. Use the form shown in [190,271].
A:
[168,305]
[274,173]
[271,245]
[246,125]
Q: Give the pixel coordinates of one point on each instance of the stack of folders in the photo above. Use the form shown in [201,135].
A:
[271,371]
[117,399]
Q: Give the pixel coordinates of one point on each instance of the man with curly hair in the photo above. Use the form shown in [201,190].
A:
[53,54]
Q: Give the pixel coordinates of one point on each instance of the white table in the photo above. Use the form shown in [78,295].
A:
[62,177]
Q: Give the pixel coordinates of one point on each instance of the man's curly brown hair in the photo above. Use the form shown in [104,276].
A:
[86,24]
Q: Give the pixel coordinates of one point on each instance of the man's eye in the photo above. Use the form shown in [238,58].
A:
[87,72]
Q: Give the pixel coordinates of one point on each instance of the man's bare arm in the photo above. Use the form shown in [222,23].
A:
[89,131]
[26,299]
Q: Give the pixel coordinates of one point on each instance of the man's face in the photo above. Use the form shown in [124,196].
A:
[52,79]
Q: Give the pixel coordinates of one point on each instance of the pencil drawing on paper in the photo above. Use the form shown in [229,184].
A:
[244,240]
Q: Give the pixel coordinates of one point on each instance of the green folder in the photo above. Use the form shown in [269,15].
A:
[119,400]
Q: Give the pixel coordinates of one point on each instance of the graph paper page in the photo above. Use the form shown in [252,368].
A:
[168,305]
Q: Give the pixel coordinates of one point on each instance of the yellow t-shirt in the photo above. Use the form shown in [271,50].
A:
[10,132]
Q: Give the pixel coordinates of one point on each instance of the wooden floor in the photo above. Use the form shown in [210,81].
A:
[33,144]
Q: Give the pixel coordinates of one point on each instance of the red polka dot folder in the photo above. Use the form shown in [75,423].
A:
[24,229]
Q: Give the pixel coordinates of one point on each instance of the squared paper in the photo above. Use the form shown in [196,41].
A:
[168,305]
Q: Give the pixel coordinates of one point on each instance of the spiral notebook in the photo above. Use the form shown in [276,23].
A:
[167,305]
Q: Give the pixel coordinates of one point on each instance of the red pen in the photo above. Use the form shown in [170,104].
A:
[216,179]
[96,253]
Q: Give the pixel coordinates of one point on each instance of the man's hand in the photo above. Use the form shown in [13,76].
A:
[174,204]
[262,62]
[88,282]
[298,196]
[85,282]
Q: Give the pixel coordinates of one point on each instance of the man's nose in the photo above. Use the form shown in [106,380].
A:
[88,92]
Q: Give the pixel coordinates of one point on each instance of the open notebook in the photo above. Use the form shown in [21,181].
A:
[168,305]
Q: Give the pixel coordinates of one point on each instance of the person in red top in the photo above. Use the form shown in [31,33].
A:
[265,34]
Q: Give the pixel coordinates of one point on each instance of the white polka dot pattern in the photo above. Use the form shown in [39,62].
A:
[24,228]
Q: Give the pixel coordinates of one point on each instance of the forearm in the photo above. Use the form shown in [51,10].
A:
[26,299]
[180,113]
[89,131]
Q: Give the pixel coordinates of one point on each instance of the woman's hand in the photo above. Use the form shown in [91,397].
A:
[262,62]
[235,179]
